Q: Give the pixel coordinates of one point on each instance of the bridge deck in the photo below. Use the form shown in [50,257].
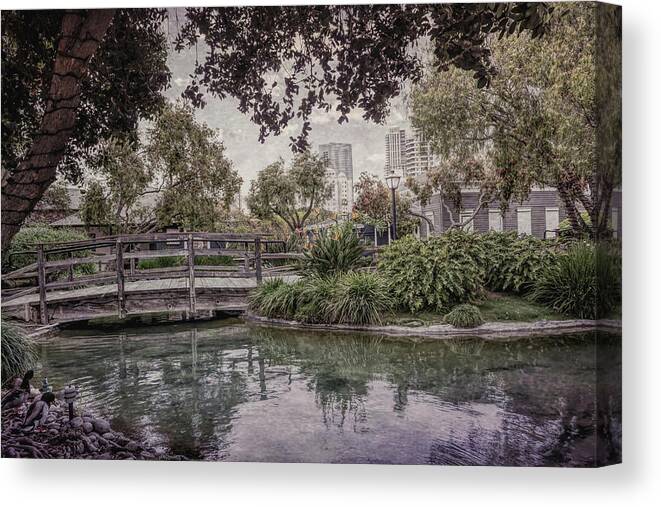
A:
[141,286]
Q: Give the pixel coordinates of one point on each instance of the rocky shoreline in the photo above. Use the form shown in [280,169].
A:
[83,437]
[488,330]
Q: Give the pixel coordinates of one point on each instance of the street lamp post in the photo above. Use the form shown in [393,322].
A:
[393,183]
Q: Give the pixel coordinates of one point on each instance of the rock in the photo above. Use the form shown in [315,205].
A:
[101,426]
[53,432]
[76,422]
[88,427]
[147,455]
[121,439]
[133,446]
[109,436]
[105,455]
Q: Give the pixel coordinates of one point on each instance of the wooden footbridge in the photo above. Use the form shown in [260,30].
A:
[117,283]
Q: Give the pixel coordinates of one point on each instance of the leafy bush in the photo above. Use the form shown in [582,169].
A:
[161,262]
[29,237]
[514,262]
[337,250]
[565,228]
[585,282]
[361,298]
[464,316]
[214,260]
[436,274]
[18,352]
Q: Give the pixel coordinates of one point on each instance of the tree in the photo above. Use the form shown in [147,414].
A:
[338,57]
[535,124]
[290,193]
[181,166]
[373,206]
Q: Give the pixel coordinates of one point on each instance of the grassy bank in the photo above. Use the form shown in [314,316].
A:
[497,307]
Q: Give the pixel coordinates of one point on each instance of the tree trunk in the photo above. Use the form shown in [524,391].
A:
[22,188]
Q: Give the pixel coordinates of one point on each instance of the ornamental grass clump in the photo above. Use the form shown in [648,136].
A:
[464,316]
[361,298]
[336,251]
[584,283]
[19,353]
[277,299]
[316,299]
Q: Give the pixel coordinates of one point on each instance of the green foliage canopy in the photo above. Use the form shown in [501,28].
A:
[181,166]
[290,193]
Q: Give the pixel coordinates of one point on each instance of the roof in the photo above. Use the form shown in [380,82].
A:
[72,220]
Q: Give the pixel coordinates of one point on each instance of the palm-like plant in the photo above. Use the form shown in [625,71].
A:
[336,251]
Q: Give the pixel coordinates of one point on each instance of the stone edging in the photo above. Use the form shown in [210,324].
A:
[489,330]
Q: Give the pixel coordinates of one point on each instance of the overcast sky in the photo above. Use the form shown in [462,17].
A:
[249,156]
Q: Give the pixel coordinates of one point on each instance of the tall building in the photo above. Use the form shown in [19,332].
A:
[407,156]
[340,173]
[419,158]
[395,151]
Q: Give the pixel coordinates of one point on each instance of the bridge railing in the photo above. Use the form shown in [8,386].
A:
[116,260]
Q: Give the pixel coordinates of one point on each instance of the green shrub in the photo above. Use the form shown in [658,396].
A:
[18,352]
[361,298]
[29,237]
[214,260]
[161,262]
[515,262]
[436,274]
[585,282]
[337,250]
[464,316]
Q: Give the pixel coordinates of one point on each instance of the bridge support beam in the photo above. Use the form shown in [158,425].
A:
[258,260]
[121,300]
[41,277]
[191,277]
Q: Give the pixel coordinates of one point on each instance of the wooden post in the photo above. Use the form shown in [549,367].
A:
[132,261]
[41,276]
[71,267]
[258,260]
[191,276]
[121,302]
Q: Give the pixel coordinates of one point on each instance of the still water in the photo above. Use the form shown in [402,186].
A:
[229,391]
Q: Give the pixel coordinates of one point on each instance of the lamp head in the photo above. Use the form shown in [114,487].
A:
[393,181]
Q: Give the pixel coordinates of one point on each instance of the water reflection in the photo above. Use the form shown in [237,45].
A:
[227,391]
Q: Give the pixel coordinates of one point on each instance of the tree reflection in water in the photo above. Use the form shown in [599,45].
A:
[231,391]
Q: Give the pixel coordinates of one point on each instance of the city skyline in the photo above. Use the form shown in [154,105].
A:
[240,135]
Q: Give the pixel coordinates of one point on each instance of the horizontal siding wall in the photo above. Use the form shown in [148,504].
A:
[538,201]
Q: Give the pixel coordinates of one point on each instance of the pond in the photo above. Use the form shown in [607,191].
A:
[226,390]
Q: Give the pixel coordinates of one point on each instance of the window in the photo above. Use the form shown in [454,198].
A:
[495,220]
[524,220]
[615,223]
[552,221]
[465,215]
